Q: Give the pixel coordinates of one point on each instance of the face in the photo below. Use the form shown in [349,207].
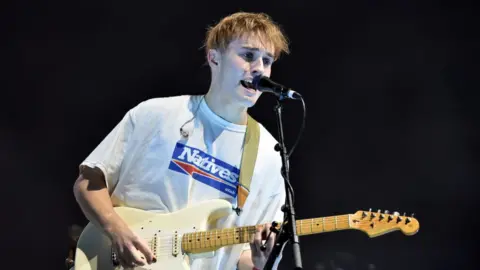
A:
[244,59]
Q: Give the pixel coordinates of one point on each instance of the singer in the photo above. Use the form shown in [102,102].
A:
[171,153]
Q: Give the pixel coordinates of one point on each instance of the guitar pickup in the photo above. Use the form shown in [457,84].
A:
[176,244]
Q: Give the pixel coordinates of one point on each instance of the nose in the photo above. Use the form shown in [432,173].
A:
[257,67]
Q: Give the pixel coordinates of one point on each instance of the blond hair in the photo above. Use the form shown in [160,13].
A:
[239,24]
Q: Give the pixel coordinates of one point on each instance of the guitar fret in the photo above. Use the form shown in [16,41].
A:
[222,237]
[197,241]
[205,239]
[228,237]
[212,239]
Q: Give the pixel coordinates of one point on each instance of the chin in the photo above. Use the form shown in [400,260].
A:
[249,101]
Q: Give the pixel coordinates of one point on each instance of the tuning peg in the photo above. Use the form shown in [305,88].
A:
[379,211]
[386,212]
[396,213]
[390,218]
[413,214]
[399,219]
[370,210]
[404,214]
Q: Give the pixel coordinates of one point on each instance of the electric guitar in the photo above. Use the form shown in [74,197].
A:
[175,237]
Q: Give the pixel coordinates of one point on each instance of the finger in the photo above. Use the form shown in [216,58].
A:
[133,256]
[258,237]
[269,233]
[138,257]
[147,253]
[270,243]
[269,238]
[267,227]
[266,231]
[254,242]
[253,247]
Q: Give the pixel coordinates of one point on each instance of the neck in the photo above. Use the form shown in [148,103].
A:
[205,241]
[226,109]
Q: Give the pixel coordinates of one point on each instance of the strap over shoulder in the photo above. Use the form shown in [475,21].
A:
[249,157]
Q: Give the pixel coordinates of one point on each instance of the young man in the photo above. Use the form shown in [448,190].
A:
[137,164]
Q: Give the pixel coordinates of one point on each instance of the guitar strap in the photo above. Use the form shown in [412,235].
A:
[249,157]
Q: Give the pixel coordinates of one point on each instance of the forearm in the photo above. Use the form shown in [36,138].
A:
[92,196]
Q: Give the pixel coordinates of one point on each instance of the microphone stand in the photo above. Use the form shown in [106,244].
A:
[288,230]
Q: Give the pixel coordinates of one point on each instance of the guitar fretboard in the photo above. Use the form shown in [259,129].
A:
[215,239]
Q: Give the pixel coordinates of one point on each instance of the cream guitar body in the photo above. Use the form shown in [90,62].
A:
[176,238]
[163,232]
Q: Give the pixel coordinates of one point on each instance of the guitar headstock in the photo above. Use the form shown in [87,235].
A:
[376,223]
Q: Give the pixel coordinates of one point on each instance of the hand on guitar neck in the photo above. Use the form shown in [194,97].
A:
[92,195]
[260,250]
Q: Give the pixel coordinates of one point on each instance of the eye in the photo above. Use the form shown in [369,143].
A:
[248,56]
[267,61]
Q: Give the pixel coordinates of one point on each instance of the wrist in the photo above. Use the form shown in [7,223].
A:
[114,227]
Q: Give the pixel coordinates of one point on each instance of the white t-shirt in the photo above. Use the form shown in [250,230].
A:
[149,165]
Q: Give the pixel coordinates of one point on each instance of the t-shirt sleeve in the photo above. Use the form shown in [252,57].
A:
[109,154]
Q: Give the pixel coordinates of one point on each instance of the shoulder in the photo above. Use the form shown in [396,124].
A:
[163,106]
[162,103]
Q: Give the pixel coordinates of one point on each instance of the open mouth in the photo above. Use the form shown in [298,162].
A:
[247,84]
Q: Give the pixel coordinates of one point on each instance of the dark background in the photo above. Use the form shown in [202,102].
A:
[391,115]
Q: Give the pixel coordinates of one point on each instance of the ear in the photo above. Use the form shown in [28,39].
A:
[213,57]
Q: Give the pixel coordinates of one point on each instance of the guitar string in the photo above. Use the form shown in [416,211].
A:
[230,232]
[251,228]
[165,247]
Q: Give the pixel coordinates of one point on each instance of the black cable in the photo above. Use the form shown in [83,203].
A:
[301,128]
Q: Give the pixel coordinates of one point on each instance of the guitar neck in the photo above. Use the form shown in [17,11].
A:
[204,241]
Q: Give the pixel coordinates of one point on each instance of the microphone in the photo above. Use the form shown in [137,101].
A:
[265,84]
